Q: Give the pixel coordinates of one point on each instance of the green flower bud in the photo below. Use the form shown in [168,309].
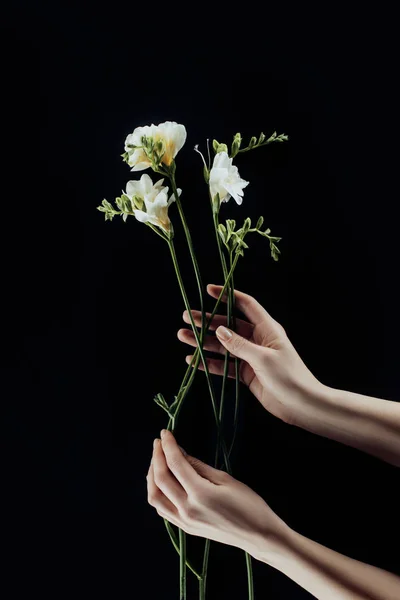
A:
[246,225]
[222,232]
[260,222]
[216,204]
[237,141]
[253,142]
[261,138]
[138,202]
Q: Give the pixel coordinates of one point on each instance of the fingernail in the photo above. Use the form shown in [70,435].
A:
[155,443]
[185,314]
[223,333]
[183,451]
[163,432]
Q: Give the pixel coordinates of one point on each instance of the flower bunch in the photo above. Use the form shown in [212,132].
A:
[155,147]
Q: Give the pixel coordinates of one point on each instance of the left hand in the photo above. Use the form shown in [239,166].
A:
[209,503]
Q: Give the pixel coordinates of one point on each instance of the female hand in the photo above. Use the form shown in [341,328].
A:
[209,503]
[270,365]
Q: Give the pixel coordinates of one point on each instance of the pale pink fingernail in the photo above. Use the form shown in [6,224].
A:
[223,333]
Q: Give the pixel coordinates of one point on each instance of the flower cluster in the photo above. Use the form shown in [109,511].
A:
[156,147]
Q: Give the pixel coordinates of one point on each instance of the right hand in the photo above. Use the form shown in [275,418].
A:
[269,363]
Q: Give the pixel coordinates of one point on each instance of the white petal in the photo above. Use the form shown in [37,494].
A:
[133,188]
[172,197]
[141,166]
[222,161]
[173,133]
[146,184]
[159,183]
[160,200]
[141,216]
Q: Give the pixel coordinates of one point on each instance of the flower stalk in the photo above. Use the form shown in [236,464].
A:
[156,147]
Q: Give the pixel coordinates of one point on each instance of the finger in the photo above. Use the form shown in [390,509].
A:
[247,304]
[239,346]
[211,343]
[215,366]
[164,478]
[177,462]
[207,471]
[155,497]
[242,327]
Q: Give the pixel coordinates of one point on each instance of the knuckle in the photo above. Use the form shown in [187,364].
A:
[173,461]
[152,498]
[160,475]
[191,512]
[238,342]
[224,477]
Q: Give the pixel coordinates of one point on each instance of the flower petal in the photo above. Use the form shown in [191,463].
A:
[141,216]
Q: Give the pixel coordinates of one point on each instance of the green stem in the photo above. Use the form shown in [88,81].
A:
[226,277]
[191,249]
[194,363]
[182,564]
[237,365]
[229,318]
[250,582]
[203,580]
[199,344]
[175,544]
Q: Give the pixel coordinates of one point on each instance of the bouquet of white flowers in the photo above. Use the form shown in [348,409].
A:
[156,147]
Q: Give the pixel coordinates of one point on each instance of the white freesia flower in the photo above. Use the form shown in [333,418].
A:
[171,135]
[225,179]
[153,198]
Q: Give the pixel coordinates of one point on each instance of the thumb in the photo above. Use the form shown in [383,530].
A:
[237,345]
[204,470]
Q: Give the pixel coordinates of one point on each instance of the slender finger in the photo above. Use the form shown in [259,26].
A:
[247,304]
[177,462]
[242,327]
[164,478]
[155,497]
[211,343]
[216,366]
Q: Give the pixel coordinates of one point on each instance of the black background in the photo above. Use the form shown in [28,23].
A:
[91,309]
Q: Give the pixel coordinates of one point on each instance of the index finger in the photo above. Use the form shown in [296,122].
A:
[247,304]
[177,463]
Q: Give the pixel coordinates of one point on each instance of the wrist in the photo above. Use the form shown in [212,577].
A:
[275,549]
[313,405]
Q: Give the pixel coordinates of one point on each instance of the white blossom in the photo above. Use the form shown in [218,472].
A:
[171,135]
[225,179]
[153,199]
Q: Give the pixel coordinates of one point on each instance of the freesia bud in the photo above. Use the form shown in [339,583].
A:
[237,140]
